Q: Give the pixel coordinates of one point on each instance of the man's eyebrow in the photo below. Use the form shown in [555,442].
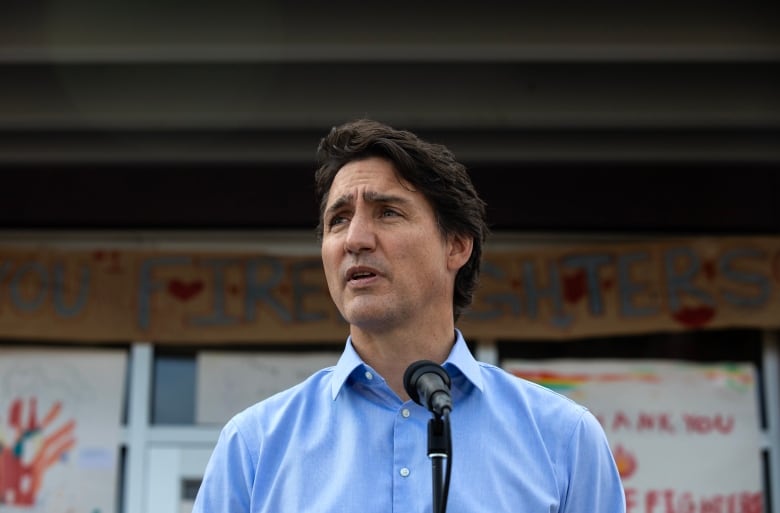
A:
[378,197]
[346,199]
[369,197]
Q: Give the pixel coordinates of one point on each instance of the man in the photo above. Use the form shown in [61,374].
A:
[401,230]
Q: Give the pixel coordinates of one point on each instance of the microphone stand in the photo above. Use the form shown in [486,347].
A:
[439,450]
[428,384]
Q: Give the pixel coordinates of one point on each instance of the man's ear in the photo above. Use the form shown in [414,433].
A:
[458,251]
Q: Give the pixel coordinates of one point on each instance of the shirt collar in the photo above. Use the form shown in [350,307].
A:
[348,362]
[460,358]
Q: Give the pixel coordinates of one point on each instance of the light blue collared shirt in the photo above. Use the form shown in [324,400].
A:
[342,441]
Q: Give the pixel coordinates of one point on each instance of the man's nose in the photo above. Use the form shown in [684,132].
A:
[361,235]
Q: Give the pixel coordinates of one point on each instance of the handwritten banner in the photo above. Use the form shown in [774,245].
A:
[546,293]
[630,288]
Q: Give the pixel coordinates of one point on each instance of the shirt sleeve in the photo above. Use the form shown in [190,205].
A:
[594,483]
[227,481]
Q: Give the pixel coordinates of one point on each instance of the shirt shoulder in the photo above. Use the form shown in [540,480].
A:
[556,427]
[548,411]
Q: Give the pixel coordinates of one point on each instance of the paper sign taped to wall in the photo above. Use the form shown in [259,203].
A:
[685,436]
[229,382]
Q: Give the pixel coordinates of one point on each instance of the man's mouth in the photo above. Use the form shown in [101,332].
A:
[360,274]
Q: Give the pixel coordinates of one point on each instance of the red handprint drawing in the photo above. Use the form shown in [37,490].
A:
[21,470]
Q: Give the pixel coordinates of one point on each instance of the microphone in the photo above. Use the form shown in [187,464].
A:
[428,384]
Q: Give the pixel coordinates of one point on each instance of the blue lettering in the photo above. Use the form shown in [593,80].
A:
[17,296]
[261,292]
[499,301]
[761,283]
[219,316]
[534,294]
[629,289]
[678,283]
[78,305]
[591,264]
[301,290]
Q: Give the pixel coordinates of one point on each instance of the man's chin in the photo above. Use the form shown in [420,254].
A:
[365,318]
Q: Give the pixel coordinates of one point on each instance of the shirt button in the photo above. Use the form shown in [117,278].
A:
[405,412]
[404,472]
[369,376]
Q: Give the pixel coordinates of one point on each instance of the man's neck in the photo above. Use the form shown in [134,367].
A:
[391,352]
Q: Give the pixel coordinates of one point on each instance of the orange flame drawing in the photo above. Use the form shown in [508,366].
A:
[626,462]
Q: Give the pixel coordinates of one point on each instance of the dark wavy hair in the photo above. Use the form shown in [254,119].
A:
[429,168]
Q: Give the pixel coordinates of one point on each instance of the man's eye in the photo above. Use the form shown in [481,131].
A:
[335,220]
[389,212]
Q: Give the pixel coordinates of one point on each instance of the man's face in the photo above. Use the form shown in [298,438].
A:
[385,260]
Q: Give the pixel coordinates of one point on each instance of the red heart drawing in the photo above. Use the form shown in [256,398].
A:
[575,286]
[694,317]
[184,291]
